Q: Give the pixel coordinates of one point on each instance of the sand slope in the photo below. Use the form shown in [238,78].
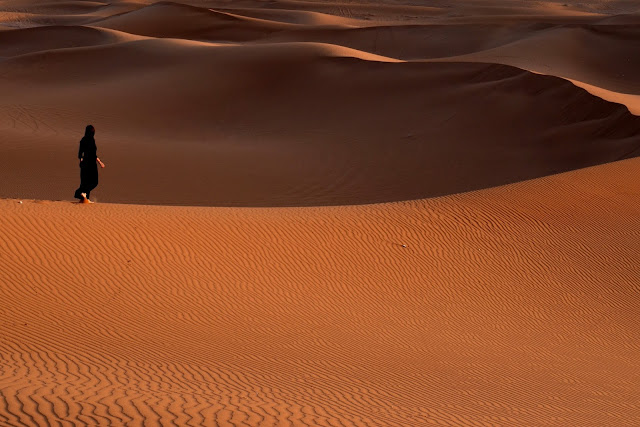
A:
[291,103]
[30,40]
[511,306]
[599,55]
[319,125]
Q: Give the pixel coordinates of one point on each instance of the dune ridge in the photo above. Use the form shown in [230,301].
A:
[452,311]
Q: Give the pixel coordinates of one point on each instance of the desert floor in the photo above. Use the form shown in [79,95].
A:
[321,212]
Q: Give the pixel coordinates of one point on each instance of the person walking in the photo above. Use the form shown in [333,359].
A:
[89,162]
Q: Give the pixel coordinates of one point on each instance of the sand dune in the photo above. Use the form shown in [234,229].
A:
[290,142]
[300,17]
[624,19]
[30,40]
[412,42]
[69,7]
[584,45]
[376,11]
[174,20]
[509,306]
[28,13]
[291,296]
[602,56]
[631,101]
[598,58]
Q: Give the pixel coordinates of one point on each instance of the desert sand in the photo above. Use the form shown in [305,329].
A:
[321,213]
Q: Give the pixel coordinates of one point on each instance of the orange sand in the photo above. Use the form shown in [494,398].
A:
[514,304]
[511,306]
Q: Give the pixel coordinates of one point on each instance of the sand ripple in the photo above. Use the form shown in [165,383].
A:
[510,306]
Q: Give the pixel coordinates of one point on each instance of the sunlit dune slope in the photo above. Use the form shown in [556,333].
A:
[510,306]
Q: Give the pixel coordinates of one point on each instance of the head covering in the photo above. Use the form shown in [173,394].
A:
[89,131]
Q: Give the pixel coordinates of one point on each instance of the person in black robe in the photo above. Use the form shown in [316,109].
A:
[88,165]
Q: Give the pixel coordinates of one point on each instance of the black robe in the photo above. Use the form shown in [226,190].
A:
[88,166]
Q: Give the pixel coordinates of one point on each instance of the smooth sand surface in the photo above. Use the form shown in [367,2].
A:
[516,305]
[497,284]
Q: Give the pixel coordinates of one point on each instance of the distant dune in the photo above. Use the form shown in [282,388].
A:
[383,213]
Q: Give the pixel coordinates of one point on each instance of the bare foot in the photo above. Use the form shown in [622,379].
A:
[84,198]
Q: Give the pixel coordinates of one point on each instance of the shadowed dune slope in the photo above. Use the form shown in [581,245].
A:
[414,42]
[600,55]
[203,127]
[29,13]
[299,17]
[592,43]
[510,306]
[175,20]
[30,40]
[624,19]
[465,11]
